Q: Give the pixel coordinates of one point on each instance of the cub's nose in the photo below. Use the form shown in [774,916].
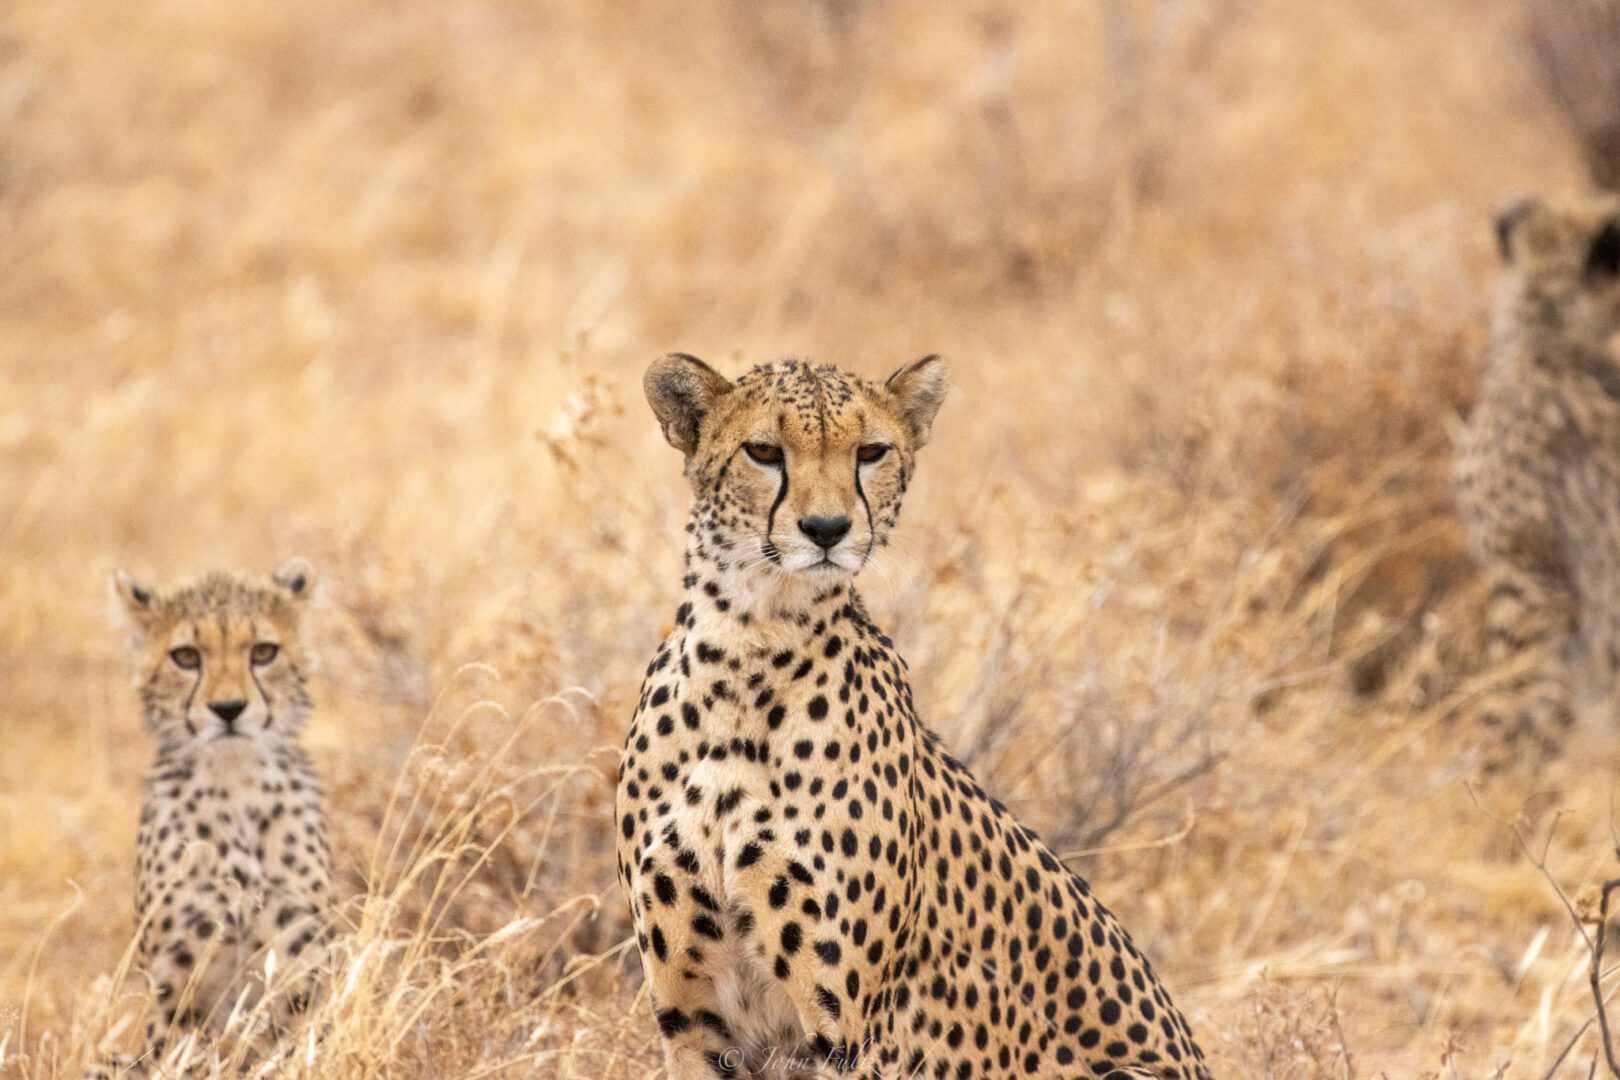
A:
[825,531]
[227,711]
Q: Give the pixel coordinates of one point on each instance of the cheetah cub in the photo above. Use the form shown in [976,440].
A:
[233,861]
[818,887]
[1538,476]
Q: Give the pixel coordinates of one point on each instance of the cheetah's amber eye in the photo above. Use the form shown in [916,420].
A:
[871,452]
[186,657]
[764,453]
[264,652]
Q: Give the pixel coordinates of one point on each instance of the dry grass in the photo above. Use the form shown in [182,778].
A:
[375,283]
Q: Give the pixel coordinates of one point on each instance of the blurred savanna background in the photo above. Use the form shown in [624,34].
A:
[375,283]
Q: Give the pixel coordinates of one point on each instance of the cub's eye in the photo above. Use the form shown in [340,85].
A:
[871,452]
[186,657]
[264,652]
[764,453]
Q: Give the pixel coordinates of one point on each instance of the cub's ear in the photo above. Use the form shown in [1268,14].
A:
[1603,257]
[681,390]
[295,578]
[1507,223]
[132,605]
[919,390]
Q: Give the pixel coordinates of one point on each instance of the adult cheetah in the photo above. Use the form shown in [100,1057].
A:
[817,886]
[1538,474]
[233,862]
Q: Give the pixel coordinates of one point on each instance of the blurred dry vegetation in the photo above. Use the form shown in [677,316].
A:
[375,282]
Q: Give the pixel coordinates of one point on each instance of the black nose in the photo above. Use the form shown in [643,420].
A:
[826,531]
[227,711]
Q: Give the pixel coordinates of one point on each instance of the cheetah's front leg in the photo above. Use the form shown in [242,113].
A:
[296,930]
[681,932]
[822,939]
[1528,623]
[189,952]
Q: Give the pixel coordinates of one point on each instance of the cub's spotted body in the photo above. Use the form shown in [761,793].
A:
[1539,473]
[817,886]
[233,861]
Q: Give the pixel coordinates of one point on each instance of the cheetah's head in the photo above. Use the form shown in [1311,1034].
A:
[1566,255]
[795,469]
[223,657]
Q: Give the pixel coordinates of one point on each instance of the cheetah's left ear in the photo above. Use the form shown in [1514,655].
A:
[1507,223]
[295,578]
[133,604]
[681,390]
[919,390]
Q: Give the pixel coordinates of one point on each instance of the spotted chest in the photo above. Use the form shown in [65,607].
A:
[232,859]
[758,771]
[728,733]
[1537,463]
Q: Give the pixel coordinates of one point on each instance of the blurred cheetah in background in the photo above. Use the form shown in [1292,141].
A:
[233,861]
[818,887]
[1538,475]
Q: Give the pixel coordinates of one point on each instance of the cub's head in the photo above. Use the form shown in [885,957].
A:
[795,469]
[223,657]
[1564,258]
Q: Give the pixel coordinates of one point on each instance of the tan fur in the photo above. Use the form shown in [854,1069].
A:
[232,855]
[818,887]
[1538,474]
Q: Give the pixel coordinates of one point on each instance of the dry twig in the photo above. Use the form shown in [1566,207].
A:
[1594,942]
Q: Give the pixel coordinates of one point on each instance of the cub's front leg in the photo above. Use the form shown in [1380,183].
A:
[296,928]
[189,945]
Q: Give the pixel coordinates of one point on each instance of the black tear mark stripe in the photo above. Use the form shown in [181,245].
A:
[871,525]
[253,673]
[269,713]
[770,519]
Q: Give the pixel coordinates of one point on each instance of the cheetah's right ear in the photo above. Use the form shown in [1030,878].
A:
[295,578]
[919,390]
[681,389]
[132,604]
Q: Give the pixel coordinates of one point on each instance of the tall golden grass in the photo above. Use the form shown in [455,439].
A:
[375,283]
